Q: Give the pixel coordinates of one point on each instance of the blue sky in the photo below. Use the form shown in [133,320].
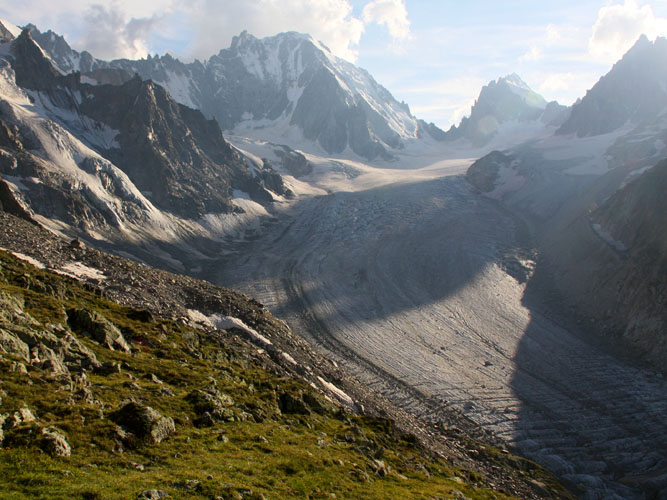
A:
[433,54]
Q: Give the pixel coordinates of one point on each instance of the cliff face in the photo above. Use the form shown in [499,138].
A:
[611,264]
[633,221]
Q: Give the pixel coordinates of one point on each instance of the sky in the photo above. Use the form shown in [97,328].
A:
[433,54]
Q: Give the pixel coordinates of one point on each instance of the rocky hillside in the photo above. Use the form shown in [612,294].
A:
[633,91]
[613,264]
[509,99]
[276,84]
[121,381]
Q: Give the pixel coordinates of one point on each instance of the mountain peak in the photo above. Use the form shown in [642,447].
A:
[632,92]
[641,42]
[514,79]
[506,99]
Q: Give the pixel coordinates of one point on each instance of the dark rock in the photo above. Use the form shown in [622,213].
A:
[294,162]
[76,244]
[288,403]
[141,315]
[108,368]
[205,420]
[97,327]
[216,403]
[485,172]
[144,422]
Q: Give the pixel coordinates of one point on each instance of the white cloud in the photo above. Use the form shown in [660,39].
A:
[619,26]
[391,13]
[215,22]
[200,28]
[108,34]
[534,54]
[566,86]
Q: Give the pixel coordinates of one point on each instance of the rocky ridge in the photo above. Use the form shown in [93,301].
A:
[155,138]
[632,91]
[287,81]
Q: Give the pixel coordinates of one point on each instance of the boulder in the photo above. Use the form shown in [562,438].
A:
[12,345]
[152,494]
[54,443]
[98,328]
[22,416]
[216,403]
[144,422]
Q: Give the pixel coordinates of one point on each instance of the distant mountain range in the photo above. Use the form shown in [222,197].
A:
[287,81]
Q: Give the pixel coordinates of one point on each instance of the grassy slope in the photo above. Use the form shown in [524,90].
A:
[324,454]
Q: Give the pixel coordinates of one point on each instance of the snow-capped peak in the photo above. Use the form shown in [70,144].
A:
[521,88]
[11,27]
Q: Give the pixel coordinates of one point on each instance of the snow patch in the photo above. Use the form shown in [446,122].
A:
[11,27]
[78,270]
[608,238]
[250,207]
[27,258]
[89,80]
[289,358]
[222,322]
[336,391]
[179,86]
[226,322]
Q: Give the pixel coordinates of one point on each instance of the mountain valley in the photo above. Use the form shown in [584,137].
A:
[502,282]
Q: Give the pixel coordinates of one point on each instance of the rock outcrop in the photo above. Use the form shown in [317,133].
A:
[143,422]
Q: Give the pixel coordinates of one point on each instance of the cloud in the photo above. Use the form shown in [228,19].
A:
[619,26]
[107,33]
[534,54]
[215,22]
[391,13]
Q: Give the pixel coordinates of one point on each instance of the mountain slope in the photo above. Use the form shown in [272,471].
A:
[613,263]
[506,100]
[125,165]
[277,83]
[633,91]
[224,402]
